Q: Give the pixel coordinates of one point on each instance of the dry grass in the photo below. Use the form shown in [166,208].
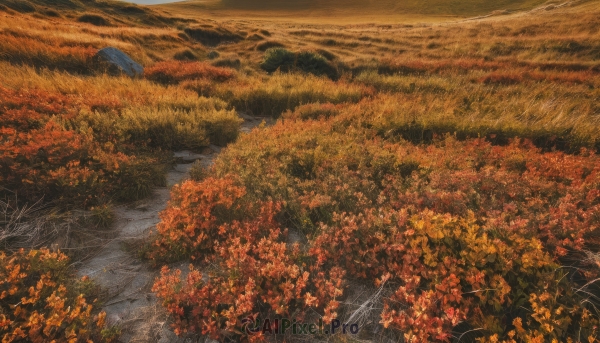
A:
[417,72]
[353,8]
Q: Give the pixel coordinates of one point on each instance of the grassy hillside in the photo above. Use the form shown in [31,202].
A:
[443,170]
[358,8]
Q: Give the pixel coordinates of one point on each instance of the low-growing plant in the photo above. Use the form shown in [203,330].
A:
[40,301]
[305,61]
[43,155]
[198,172]
[312,63]
[452,228]
[174,72]
[278,59]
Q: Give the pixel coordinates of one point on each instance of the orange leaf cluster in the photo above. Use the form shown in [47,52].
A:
[38,303]
[465,233]
[174,72]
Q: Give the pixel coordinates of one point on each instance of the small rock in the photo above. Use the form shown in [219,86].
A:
[117,62]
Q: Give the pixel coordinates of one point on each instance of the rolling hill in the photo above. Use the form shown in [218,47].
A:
[357,8]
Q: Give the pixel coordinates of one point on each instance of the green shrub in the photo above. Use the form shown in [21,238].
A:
[278,58]
[315,64]
[305,61]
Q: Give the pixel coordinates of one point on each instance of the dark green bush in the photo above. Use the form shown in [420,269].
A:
[308,62]
[315,64]
[278,58]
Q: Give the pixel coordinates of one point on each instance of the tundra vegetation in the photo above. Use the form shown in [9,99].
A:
[447,165]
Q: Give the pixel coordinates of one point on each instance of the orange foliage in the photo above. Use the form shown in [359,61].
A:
[259,266]
[38,303]
[174,72]
[40,157]
[454,228]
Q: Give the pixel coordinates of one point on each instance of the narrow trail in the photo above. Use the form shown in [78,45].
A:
[127,279]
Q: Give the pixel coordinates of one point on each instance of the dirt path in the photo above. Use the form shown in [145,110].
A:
[127,279]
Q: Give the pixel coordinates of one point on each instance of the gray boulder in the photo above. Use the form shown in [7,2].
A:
[117,62]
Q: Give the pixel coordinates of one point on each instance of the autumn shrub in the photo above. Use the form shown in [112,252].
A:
[453,229]
[251,252]
[174,72]
[40,301]
[42,154]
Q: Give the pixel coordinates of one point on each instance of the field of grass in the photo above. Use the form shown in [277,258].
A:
[437,168]
[340,9]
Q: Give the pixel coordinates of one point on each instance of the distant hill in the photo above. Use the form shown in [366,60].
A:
[425,7]
[112,12]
